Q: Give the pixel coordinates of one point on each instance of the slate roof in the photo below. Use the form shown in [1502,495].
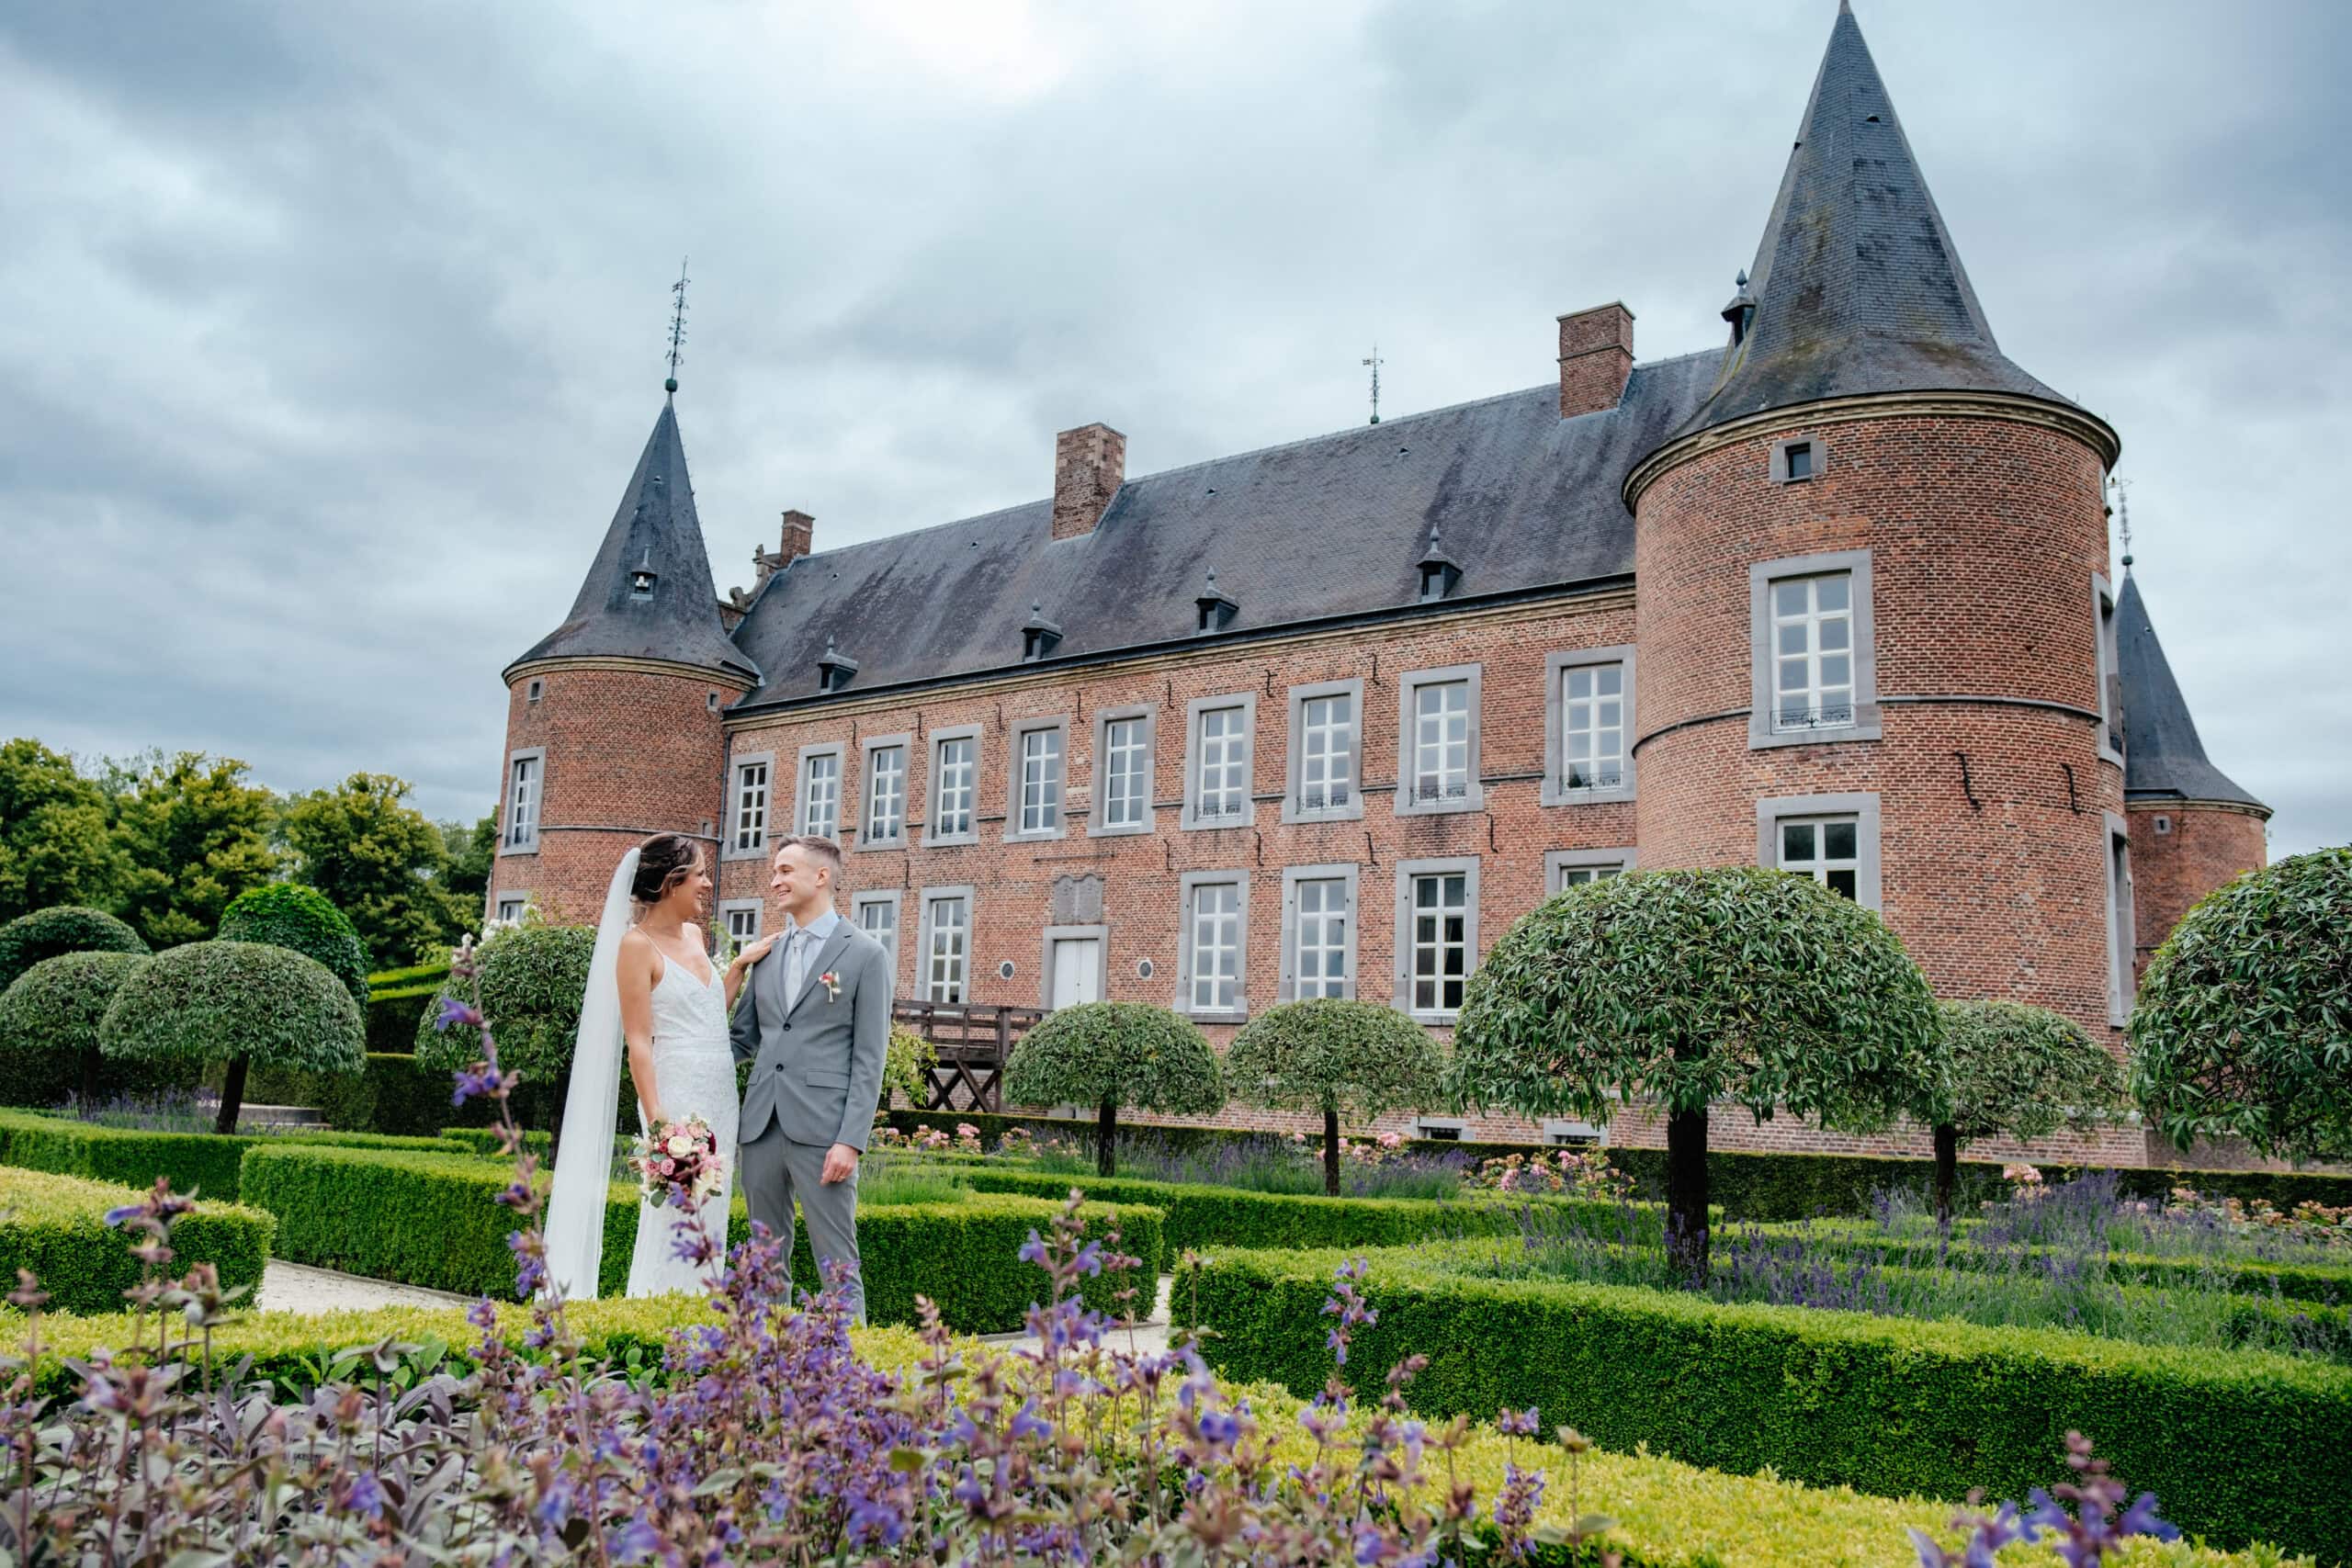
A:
[2162,756]
[1857,286]
[655,527]
[1322,529]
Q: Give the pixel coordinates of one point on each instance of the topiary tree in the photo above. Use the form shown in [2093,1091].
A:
[2006,1070]
[1691,987]
[2243,1023]
[237,1002]
[532,979]
[1108,1054]
[1332,1055]
[287,914]
[48,1024]
[62,927]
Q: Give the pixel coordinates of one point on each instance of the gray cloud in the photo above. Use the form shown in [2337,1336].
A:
[336,328]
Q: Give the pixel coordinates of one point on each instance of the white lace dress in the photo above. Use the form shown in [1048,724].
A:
[696,1073]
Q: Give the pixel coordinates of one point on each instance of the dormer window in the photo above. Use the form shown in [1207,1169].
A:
[641,580]
[1215,608]
[1039,636]
[835,670]
[1438,573]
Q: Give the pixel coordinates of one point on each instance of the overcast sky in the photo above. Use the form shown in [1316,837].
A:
[332,330]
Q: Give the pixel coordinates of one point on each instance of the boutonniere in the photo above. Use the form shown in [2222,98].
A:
[833,984]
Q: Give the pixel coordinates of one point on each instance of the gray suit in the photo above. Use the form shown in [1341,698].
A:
[816,1080]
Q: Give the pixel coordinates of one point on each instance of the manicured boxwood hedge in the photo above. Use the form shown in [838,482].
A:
[204,1162]
[2239,1445]
[391,1094]
[483,1141]
[55,1225]
[429,1220]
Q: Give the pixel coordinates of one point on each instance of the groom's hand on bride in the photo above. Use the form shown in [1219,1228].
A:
[840,1161]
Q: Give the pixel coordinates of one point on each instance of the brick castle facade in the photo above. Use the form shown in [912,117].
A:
[1324,718]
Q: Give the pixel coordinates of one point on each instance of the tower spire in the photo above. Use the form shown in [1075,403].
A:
[677,326]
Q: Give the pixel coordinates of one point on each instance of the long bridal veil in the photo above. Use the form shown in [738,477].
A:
[575,1233]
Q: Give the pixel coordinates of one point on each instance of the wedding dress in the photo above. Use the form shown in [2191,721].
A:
[695,1070]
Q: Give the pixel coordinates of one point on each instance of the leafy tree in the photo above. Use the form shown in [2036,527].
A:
[2008,1070]
[906,1066]
[46,933]
[1108,1054]
[196,834]
[1332,1055]
[378,859]
[237,1002]
[48,1026]
[287,914]
[467,855]
[1691,987]
[532,981]
[2243,1024]
[55,847]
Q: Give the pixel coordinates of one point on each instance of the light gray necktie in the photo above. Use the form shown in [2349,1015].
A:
[795,965]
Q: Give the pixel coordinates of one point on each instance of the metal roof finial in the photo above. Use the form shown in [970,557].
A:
[1375,361]
[677,326]
[2124,516]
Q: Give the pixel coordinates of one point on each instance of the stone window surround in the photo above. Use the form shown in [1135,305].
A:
[931,898]
[2120,923]
[1407,870]
[735,765]
[1409,685]
[1863,806]
[1557,861]
[1100,935]
[528,844]
[2108,665]
[815,749]
[1781,459]
[1555,666]
[933,742]
[1248,702]
[890,896]
[867,746]
[1760,578]
[1099,794]
[1293,875]
[506,896]
[1186,884]
[1294,760]
[758,907]
[1016,733]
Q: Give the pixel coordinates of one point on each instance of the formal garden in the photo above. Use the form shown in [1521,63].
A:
[1115,1339]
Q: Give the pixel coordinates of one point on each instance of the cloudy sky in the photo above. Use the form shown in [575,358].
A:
[332,330]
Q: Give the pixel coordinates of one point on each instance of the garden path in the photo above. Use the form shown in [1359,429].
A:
[1149,1336]
[298,1287]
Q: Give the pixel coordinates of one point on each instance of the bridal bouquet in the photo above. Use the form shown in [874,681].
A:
[679,1163]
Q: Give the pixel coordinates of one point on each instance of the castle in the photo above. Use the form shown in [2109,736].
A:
[1324,718]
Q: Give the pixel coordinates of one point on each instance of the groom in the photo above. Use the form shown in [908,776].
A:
[815,1023]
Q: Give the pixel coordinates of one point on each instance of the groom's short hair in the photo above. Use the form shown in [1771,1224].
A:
[820,849]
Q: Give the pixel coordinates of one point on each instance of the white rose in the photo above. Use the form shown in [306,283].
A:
[681,1144]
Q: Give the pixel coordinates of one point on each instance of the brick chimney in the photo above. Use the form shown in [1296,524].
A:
[800,533]
[1596,356]
[1090,464]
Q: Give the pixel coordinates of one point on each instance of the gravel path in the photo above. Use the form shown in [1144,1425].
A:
[297,1287]
[1149,1336]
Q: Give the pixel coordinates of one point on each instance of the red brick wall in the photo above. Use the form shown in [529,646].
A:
[629,752]
[2207,846]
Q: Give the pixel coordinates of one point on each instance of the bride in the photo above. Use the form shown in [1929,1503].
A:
[653,986]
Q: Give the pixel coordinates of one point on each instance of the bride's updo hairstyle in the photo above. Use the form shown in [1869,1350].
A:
[664,860]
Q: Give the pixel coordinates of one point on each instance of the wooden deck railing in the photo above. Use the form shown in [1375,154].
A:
[971,1042]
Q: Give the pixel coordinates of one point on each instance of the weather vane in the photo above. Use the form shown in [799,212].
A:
[677,326]
[1374,363]
[2123,515]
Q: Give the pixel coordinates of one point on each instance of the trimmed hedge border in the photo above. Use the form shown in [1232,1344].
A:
[204,1162]
[483,1141]
[2238,1445]
[429,1219]
[55,1226]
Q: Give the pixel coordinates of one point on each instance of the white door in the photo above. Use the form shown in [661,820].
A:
[1078,970]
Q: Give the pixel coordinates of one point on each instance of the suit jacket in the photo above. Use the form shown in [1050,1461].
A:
[816,1065]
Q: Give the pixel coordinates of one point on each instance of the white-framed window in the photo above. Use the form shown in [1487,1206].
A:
[946,943]
[1325,757]
[1122,761]
[535,691]
[886,792]
[2110,671]
[747,833]
[1834,838]
[512,906]
[1216,913]
[820,791]
[1814,667]
[1318,931]
[1437,935]
[1588,725]
[1438,754]
[876,914]
[525,782]
[1439,1129]
[954,787]
[1573,868]
[2123,938]
[1218,772]
[1035,808]
[739,919]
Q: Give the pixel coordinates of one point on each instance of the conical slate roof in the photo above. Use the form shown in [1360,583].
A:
[2162,756]
[655,529]
[1856,288]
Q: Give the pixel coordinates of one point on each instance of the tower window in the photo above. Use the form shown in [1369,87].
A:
[535,691]
[1801,460]
[1798,460]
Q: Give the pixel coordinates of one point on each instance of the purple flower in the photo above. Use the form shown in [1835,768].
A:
[1221,1427]
[637,1541]
[364,1494]
[125,1214]
[455,1014]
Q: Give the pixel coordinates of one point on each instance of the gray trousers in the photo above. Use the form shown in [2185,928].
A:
[774,1170]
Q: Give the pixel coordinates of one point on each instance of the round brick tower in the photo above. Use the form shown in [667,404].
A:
[615,720]
[1870,573]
